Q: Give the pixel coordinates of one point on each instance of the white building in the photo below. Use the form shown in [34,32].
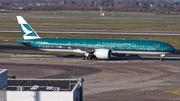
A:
[44,89]
[3,84]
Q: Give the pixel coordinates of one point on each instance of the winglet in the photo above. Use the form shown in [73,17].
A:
[26,29]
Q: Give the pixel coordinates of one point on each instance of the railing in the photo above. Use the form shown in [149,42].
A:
[3,96]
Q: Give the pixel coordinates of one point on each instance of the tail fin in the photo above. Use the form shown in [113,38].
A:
[26,29]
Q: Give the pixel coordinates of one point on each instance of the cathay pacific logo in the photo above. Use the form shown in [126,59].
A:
[25,30]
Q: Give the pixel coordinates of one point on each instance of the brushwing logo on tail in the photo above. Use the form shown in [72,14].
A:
[26,31]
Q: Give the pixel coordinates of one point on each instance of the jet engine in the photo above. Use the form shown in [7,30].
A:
[102,53]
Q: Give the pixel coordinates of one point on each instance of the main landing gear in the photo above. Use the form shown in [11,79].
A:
[88,56]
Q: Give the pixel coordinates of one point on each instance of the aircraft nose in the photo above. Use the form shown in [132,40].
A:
[172,49]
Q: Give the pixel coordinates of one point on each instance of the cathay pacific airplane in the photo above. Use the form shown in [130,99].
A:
[91,48]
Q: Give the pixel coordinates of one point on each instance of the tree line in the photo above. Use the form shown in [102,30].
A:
[153,6]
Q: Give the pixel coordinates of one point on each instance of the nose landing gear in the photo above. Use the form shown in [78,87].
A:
[162,55]
[161,59]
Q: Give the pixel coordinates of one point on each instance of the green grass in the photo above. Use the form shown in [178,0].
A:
[87,14]
[173,40]
[97,24]
[92,21]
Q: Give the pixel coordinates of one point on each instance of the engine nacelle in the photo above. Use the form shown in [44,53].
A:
[102,53]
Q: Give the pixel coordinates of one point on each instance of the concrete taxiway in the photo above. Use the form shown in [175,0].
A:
[119,79]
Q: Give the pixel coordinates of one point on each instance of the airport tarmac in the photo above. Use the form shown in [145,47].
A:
[122,79]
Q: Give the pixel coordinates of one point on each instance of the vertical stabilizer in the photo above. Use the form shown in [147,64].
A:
[26,29]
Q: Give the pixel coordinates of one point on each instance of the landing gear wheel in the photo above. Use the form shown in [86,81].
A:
[161,59]
[83,58]
[87,58]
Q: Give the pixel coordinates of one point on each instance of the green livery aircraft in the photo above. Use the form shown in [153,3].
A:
[91,48]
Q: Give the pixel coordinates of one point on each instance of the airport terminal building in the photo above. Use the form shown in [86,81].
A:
[40,89]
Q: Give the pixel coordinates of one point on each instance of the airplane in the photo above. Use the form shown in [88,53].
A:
[91,48]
